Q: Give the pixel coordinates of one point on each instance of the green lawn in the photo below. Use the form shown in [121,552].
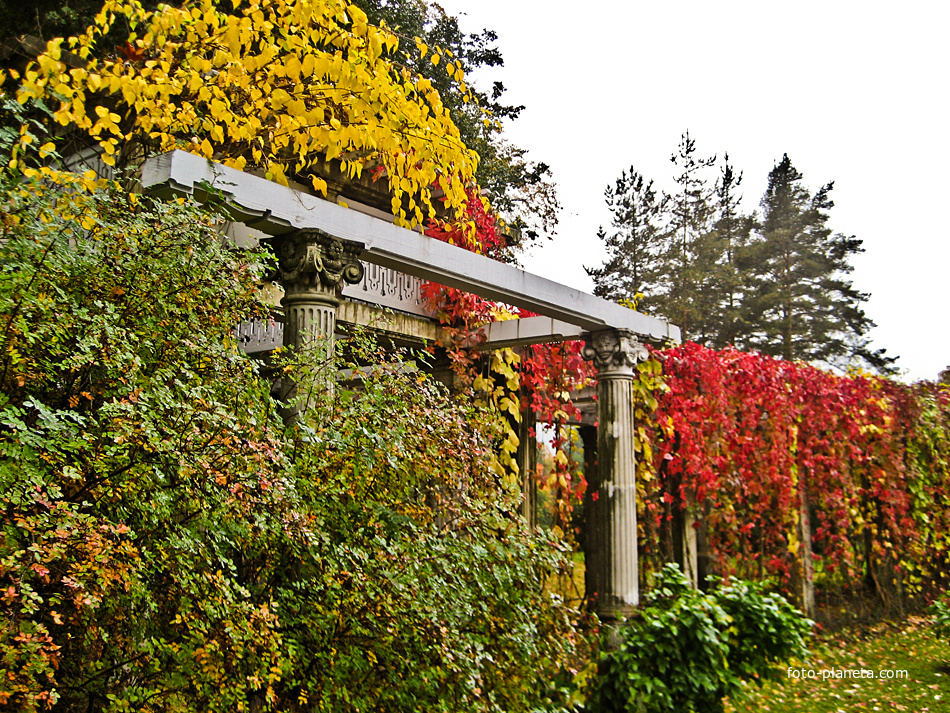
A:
[910,646]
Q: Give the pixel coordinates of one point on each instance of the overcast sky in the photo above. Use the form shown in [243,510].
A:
[854,92]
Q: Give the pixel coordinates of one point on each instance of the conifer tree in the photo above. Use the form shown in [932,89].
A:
[732,231]
[692,253]
[803,306]
[668,251]
[637,244]
[778,284]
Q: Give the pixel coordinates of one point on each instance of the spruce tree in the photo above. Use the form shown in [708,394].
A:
[803,306]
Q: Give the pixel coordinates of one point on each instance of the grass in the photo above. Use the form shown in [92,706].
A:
[910,646]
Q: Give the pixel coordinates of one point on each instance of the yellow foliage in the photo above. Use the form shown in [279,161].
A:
[278,87]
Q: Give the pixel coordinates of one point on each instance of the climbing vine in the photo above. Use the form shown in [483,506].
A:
[753,446]
[280,86]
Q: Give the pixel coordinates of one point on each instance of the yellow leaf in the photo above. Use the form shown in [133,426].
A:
[233,39]
[319,184]
[292,68]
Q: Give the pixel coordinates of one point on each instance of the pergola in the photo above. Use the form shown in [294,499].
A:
[323,247]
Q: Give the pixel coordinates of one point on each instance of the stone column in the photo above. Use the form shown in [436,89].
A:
[684,539]
[527,459]
[312,267]
[611,538]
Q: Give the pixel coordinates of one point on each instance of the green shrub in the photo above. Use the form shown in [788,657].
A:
[686,650]
[940,610]
[168,545]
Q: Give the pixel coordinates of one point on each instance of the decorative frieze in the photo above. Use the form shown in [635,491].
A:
[255,335]
[389,288]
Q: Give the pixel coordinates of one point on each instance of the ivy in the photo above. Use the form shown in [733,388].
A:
[167,545]
[743,440]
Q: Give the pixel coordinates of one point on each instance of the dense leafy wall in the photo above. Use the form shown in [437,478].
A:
[167,545]
[744,440]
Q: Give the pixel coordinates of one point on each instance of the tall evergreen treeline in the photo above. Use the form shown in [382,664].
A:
[774,281]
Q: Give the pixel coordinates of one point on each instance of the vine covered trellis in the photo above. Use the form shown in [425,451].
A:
[755,445]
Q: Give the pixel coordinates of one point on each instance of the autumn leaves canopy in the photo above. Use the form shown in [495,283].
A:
[276,86]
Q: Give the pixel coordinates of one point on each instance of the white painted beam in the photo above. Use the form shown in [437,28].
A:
[529,330]
[275,209]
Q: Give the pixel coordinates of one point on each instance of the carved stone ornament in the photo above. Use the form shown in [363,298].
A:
[312,261]
[614,351]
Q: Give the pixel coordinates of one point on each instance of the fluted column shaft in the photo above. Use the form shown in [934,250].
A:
[611,536]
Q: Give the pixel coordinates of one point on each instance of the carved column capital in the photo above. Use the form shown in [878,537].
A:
[615,352]
[312,267]
[310,262]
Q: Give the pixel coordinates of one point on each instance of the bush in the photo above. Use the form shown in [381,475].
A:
[686,650]
[166,544]
[940,610]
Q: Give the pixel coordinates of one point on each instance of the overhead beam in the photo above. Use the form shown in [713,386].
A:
[529,330]
[275,210]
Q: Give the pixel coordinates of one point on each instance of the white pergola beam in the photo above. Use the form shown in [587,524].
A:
[529,330]
[275,209]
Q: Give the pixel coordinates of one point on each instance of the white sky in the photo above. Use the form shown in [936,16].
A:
[854,92]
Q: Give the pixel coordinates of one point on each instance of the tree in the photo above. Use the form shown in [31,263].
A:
[677,250]
[802,305]
[779,286]
[692,294]
[423,39]
[46,19]
[632,270]
[519,190]
[246,87]
[732,233]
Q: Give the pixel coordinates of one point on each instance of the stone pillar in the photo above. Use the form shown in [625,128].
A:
[611,537]
[684,540]
[527,460]
[312,267]
[591,474]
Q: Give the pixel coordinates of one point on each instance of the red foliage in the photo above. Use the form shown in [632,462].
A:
[746,438]
[549,372]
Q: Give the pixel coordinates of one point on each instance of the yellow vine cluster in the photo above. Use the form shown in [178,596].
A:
[498,392]
[280,86]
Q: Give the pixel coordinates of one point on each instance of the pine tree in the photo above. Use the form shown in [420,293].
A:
[636,246]
[803,306]
[732,232]
[692,254]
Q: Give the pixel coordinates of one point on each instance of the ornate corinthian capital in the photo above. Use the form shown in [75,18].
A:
[614,351]
[312,261]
